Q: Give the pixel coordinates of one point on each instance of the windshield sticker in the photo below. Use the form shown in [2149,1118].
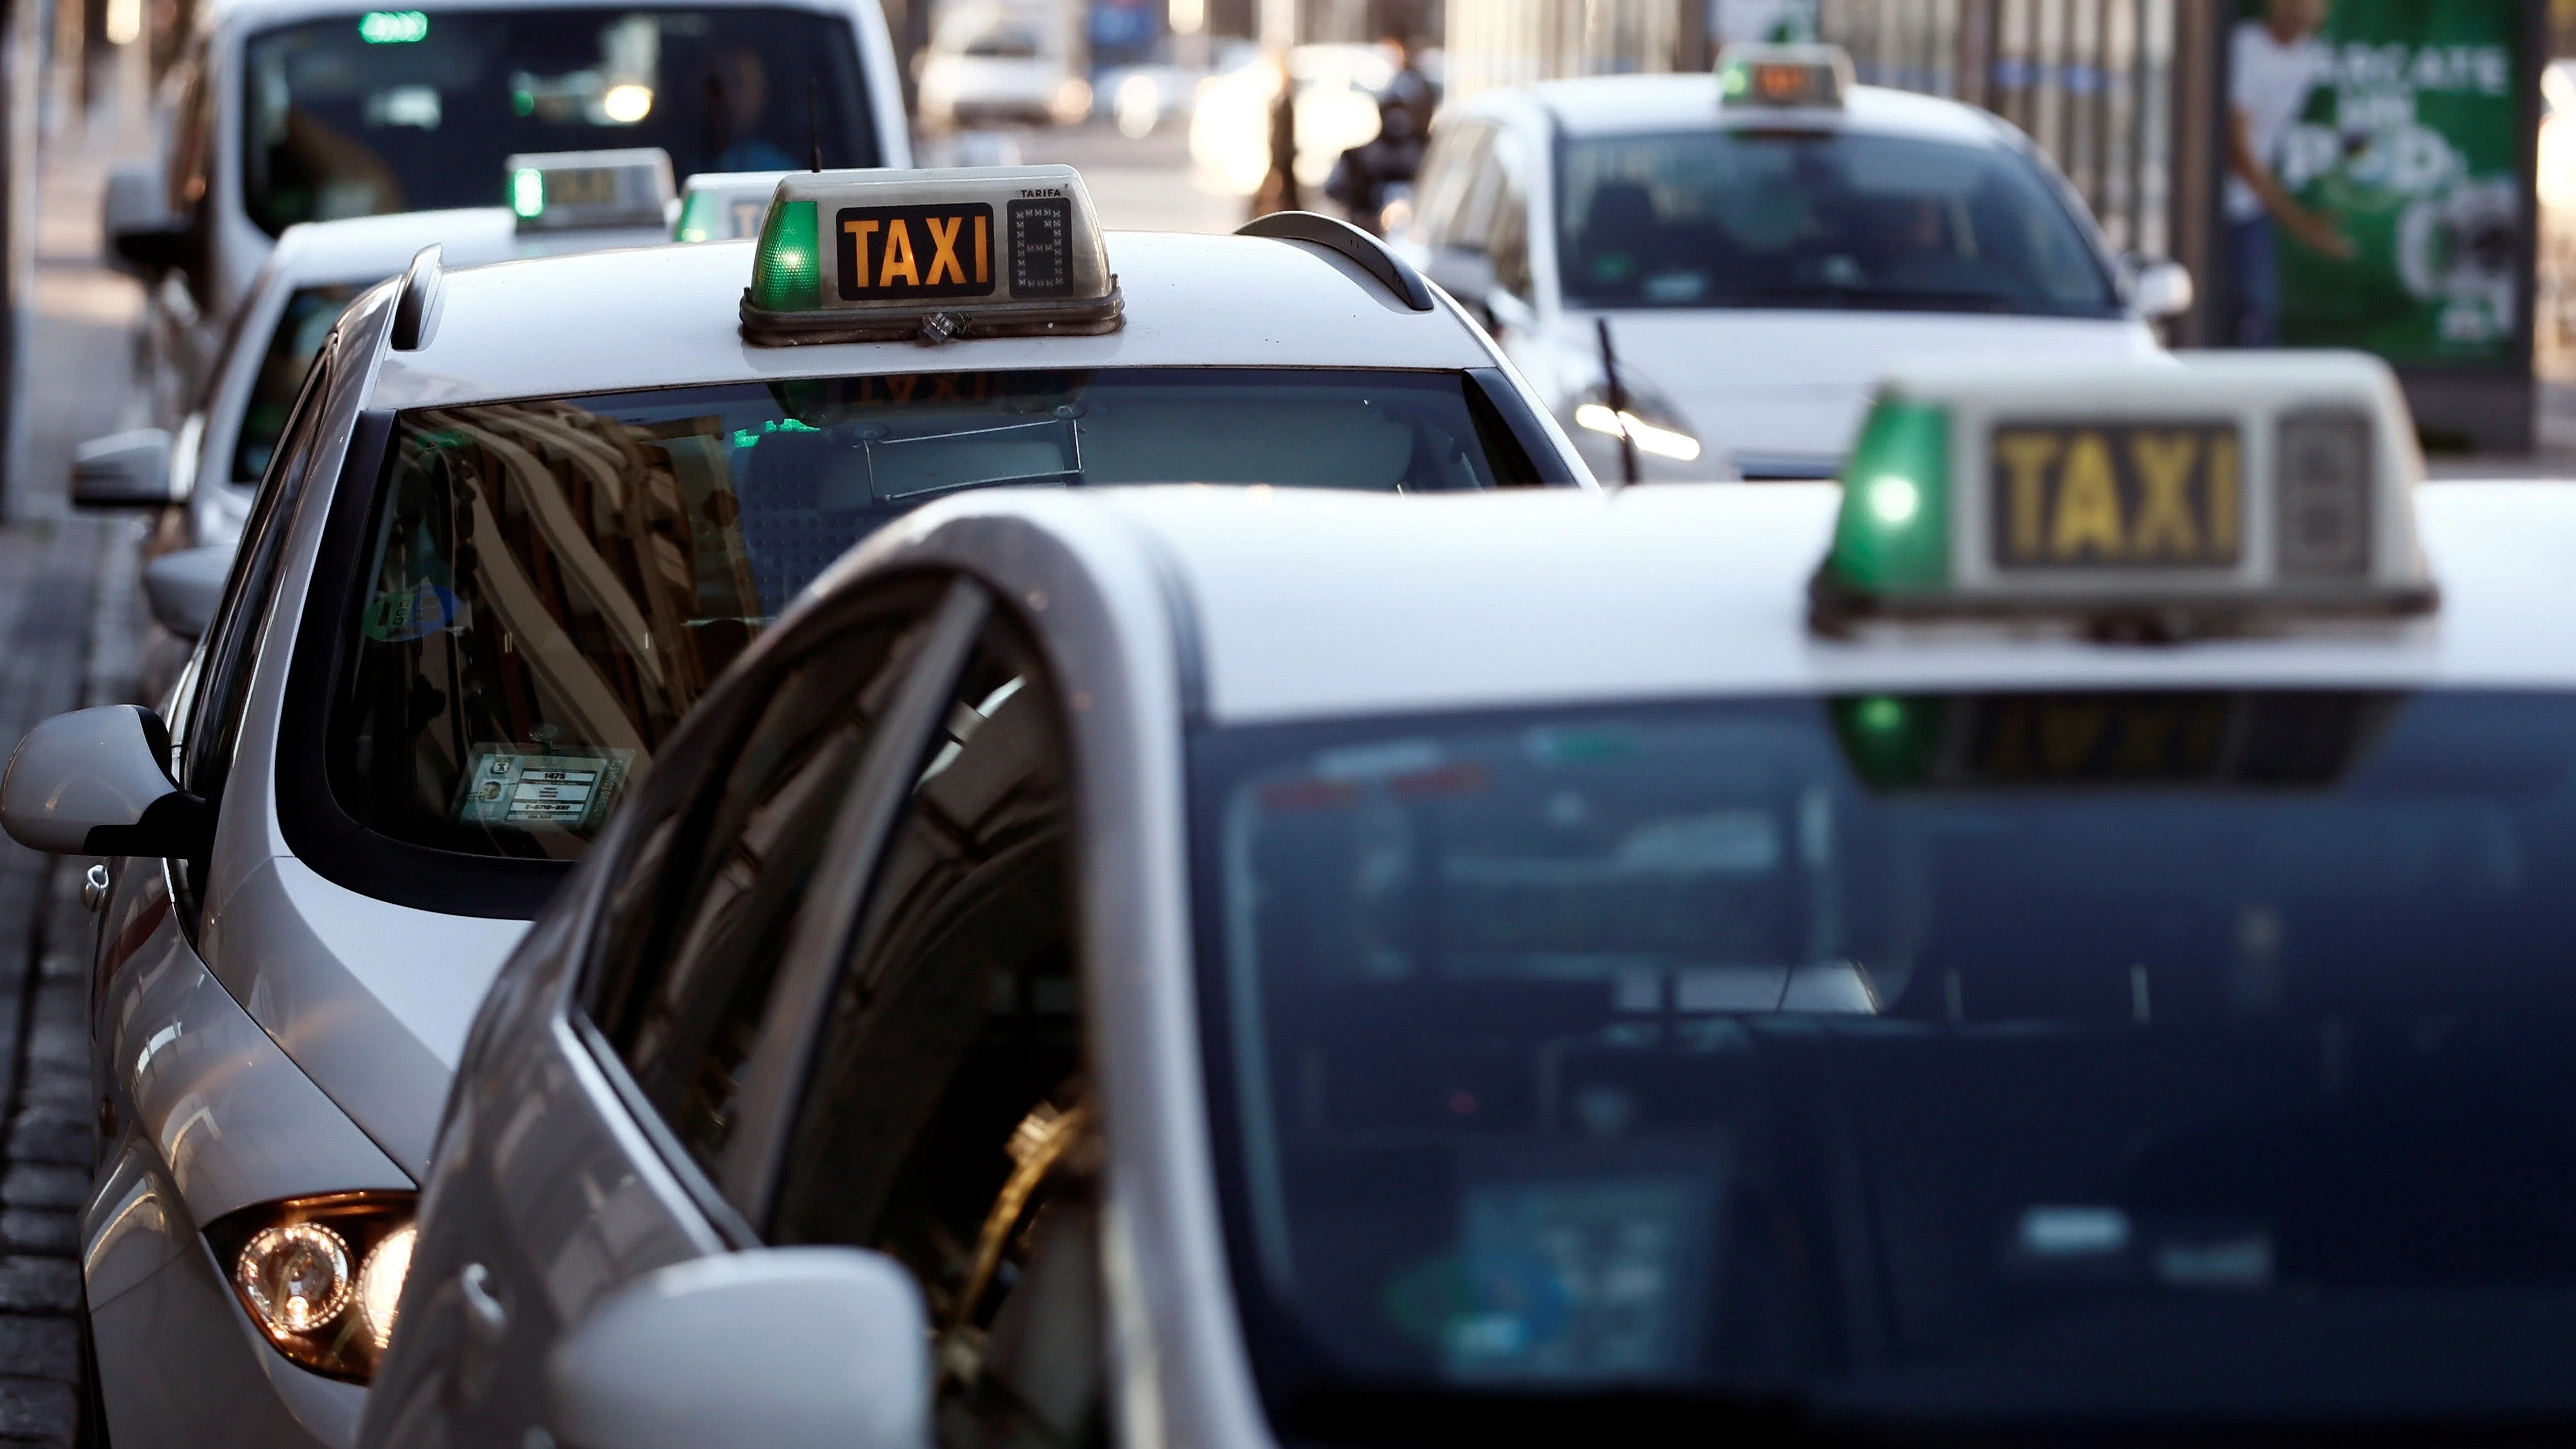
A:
[516,787]
[398,615]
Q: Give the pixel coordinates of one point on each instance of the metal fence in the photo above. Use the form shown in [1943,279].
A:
[2092,81]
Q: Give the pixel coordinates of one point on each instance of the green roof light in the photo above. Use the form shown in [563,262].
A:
[697,217]
[787,271]
[527,191]
[1894,534]
[393,27]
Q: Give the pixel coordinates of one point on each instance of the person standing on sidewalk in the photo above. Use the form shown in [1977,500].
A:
[2273,64]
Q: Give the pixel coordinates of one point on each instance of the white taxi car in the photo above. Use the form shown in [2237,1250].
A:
[2058,940]
[1751,250]
[518,519]
[200,477]
[285,111]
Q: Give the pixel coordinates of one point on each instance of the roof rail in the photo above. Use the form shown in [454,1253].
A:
[1372,255]
[416,309]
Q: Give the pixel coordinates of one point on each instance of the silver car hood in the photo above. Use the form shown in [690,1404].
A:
[372,1000]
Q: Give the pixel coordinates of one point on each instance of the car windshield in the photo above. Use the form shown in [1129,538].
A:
[1807,218]
[301,328]
[358,115]
[2090,1058]
[551,584]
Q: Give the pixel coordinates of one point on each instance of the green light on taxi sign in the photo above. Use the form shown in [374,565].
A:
[527,191]
[697,217]
[1894,532]
[393,27]
[787,270]
[1890,739]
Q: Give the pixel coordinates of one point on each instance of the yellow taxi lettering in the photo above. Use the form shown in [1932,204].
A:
[859,232]
[2026,457]
[2069,734]
[2088,502]
[2222,495]
[983,251]
[2165,524]
[898,255]
[943,250]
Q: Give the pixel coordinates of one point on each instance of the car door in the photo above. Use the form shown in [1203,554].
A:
[944,1113]
[205,722]
[601,1088]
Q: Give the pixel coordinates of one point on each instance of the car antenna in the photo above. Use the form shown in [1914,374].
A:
[1618,397]
[813,128]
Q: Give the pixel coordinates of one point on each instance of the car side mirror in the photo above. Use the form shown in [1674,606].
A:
[2159,288]
[143,238]
[97,782]
[185,585]
[123,470]
[785,1348]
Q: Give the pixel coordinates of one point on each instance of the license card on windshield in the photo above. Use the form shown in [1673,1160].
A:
[2118,496]
[512,787]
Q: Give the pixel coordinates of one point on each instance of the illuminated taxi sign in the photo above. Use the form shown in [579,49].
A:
[725,205]
[585,190]
[1796,76]
[853,256]
[2166,494]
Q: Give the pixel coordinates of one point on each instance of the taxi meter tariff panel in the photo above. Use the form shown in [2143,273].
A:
[979,252]
[2203,492]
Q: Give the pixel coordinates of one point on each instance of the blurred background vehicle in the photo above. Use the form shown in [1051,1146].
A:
[995,62]
[1751,270]
[280,111]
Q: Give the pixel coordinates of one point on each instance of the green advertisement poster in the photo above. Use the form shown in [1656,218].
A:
[2408,144]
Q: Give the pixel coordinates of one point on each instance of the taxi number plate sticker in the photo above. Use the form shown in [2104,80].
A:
[2122,496]
[897,253]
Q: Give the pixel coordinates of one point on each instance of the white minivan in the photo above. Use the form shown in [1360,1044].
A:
[287,111]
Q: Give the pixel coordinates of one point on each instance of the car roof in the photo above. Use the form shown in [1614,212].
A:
[372,248]
[1633,104]
[1545,597]
[662,316]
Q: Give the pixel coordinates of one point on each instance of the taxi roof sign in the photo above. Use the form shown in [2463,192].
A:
[725,205]
[1799,76]
[2163,496]
[581,190]
[985,251]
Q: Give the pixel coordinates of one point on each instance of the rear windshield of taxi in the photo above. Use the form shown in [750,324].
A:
[1939,1060]
[547,586]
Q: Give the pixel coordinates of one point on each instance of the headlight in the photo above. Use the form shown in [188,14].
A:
[1664,440]
[321,1276]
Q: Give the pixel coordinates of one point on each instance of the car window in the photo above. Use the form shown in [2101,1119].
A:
[948,1119]
[570,572]
[1507,233]
[231,649]
[1876,1049]
[1471,227]
[307,319]
[1448,170]
[703,910]
[1799,218]
[401,110]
